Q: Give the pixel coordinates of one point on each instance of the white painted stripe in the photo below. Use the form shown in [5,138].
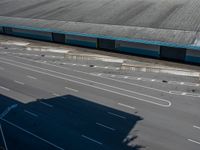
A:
[46,104]
[55,94]
[4,88]
[126,105]
[113,114]
[4,140]
[197,127]
[36,136]
[95,141]
[74,90]
[19,82]
[7,110]
[31,77]
[193,141]
[145,100]
[107,127]
[30,113]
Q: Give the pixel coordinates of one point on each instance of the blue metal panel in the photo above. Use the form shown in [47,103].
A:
[81,43]
[192,59]
[139,51]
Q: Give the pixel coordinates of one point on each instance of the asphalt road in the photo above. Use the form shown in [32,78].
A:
[44,105]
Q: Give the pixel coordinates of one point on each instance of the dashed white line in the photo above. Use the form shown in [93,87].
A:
[30,113]
[95,141]
[193,141]
[31,77]
[74,90]
[4,140]
[36,136]
[4,88]
[113,114]
[105,126]
[19,82]
[197,127]
[46,104]
[126,105]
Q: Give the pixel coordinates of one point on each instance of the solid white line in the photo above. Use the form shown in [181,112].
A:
[36,136]
[113,114]
[4,140]
[4,88]
[196,127]
[46,104]
[163,100]
[126,105]
[19,82]
[95,141]
[30,113]
[194,141]
[107,127]
[31,77]
[74,90]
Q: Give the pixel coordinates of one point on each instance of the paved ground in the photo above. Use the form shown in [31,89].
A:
[46,104]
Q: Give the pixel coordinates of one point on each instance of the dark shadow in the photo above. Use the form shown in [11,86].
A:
[69,122]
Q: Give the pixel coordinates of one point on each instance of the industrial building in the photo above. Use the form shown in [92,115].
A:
[166,29]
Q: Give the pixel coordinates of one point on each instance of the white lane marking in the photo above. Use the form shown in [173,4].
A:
[148,101]
[119,116]
[55,94]
[125,77]
[193,141]
[30,113]
[184,93]
[105,126]
[19,82]
[4,88]
[74,90]
[46,104]
[88,138]
[1,68]
[126,105]
[28,132]
[7,110]
[4,140]
[197,127]
[31,77]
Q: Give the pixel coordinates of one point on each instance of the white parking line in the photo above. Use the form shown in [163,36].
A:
[167,102]
[95,141]
[74,90]
[4,140]
[30,113]
[126,105]
[18,82]
[46,104]
[36,136]
[4,88]
[31,77]
[113,114]
[197,127]
[107,127]
[193,141]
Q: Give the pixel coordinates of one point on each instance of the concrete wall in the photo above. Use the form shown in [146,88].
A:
[40,35]
[81,41]
[193,56]
[138,48]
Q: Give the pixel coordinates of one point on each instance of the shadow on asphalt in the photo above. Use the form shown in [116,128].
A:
[69,122]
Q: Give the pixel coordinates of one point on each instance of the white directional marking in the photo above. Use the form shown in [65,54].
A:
[193,141]
[74,90]
[46,104]
[113,114]
[126,105]
[107,127]
[19,82]
[31,77]
[4,140]
[4,88]
[197,127]
[95,141]
[30,113]
[28,132]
